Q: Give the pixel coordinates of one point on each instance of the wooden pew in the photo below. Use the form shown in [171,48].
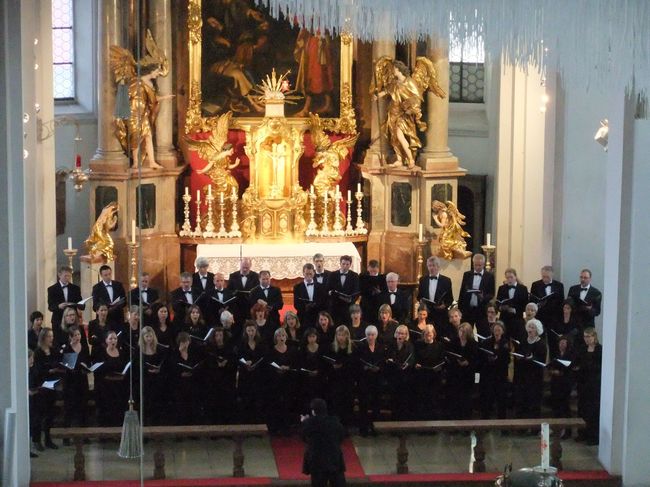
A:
[403,428]
[158,433]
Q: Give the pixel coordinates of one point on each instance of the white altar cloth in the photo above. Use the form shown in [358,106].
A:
[284,260]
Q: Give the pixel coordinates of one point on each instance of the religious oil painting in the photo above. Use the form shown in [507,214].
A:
[400,208]
[235,44]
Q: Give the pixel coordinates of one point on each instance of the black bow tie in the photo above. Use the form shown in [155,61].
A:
[309,284]
[319,275]
[63,286]
[432,278]
[512,287]
[584,289]
[187,292]
[392,292]
[344,273]
[204,277]
[108,285]
[478,274]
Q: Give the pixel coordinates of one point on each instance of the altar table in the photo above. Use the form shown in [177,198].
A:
[284,260]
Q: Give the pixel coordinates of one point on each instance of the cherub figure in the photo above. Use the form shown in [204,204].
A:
[136,133]
[100,242]
[452,236]
[218,152]
[406,91]
[328,156]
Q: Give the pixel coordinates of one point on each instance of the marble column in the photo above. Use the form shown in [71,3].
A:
[109,155]
[436,154]
[160,22]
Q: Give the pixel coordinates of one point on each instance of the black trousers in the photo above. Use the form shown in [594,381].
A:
[323,479]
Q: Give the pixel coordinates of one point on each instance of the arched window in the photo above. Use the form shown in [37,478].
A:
[466,70]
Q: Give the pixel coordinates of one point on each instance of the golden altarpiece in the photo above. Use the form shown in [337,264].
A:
[298,187]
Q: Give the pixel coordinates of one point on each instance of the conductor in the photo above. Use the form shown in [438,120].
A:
[323,435]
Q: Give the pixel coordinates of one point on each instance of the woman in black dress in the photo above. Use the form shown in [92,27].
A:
[357,325]
[48,368]
[98,327]
[325,329]
[266,329]
[530,362]
[427,374]
[587,368]
[185,372]
[71,318]
[341,374]
[568,324]
[281,361]
[75,381]
[221,371]
[562,379]
[400,358]
[311,366]
[371,357]
[419,324]
[111,385]
[154,377]
[291,325]
[494,359]
[462,356]
[129,336]
[35,327]
[386,325]
[252,384]
[162,325]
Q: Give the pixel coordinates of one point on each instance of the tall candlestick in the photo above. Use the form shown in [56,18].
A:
[545,446]
[69,243]
[349,195]
[132,231]
[421,233]
[488,239]
[198,195]
[358,187]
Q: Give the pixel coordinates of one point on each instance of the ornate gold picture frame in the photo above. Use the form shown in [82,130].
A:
[223,51]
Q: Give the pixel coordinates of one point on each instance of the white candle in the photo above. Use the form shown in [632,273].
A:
[488,239]
[311,189]
[421,232]
[221,197]
[187,191]
[349,195]
[545,446]
[325,197]
[358,187]
[209,190]
[69,243]
[132,231]
[198,195]
[234,192]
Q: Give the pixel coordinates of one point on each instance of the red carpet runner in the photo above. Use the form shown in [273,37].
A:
[288,454]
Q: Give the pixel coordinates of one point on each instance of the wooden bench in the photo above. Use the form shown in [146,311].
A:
[158,433]
[403,428]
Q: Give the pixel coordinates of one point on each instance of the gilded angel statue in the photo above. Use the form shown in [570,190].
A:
[136,133]
[217,152]
[100,242]
[452,235]
[328,156]
[406,91]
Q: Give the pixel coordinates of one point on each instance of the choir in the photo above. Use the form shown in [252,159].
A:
[224,354]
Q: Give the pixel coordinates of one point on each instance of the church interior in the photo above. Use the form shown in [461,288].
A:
[182,147]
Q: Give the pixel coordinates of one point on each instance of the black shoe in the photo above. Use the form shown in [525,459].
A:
[66,442]
[51,445]
[38,446]
[32,455]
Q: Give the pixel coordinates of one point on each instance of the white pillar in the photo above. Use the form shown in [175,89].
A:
[110,155]
[160,21]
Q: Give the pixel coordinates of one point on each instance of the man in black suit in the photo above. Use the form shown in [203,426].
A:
[323,435]
[182,298]
[269,296]
[60,295]
[548,294]
[587,300]
[476,290]
[110,292]
[343,290]
[309,298]
[218,299]
[399,301]
[436,293]
[512,298]
[203,282]
[149,297]
[321,274]
[241,283]
[371,285]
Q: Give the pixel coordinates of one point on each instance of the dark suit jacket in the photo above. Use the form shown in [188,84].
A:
[402,307]
[370,288]
[308,311]
[242,310]
[444,296]
[519,302]
[152,297]
[585,316]
[338,305]
[213,315]
[274,302]
[487,288]
[180,305]
[550,309]
[55,297]
[323,436]
[323,277]
[100,295]
[196,282]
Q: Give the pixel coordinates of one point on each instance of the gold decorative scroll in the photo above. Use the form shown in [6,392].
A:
[194,119]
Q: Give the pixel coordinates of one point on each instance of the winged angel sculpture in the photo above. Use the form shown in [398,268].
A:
[328,156]
[136,133]
[217,152]
[452,235]
[406,91]
[100,242]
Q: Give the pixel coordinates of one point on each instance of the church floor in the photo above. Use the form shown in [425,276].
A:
[189,459]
